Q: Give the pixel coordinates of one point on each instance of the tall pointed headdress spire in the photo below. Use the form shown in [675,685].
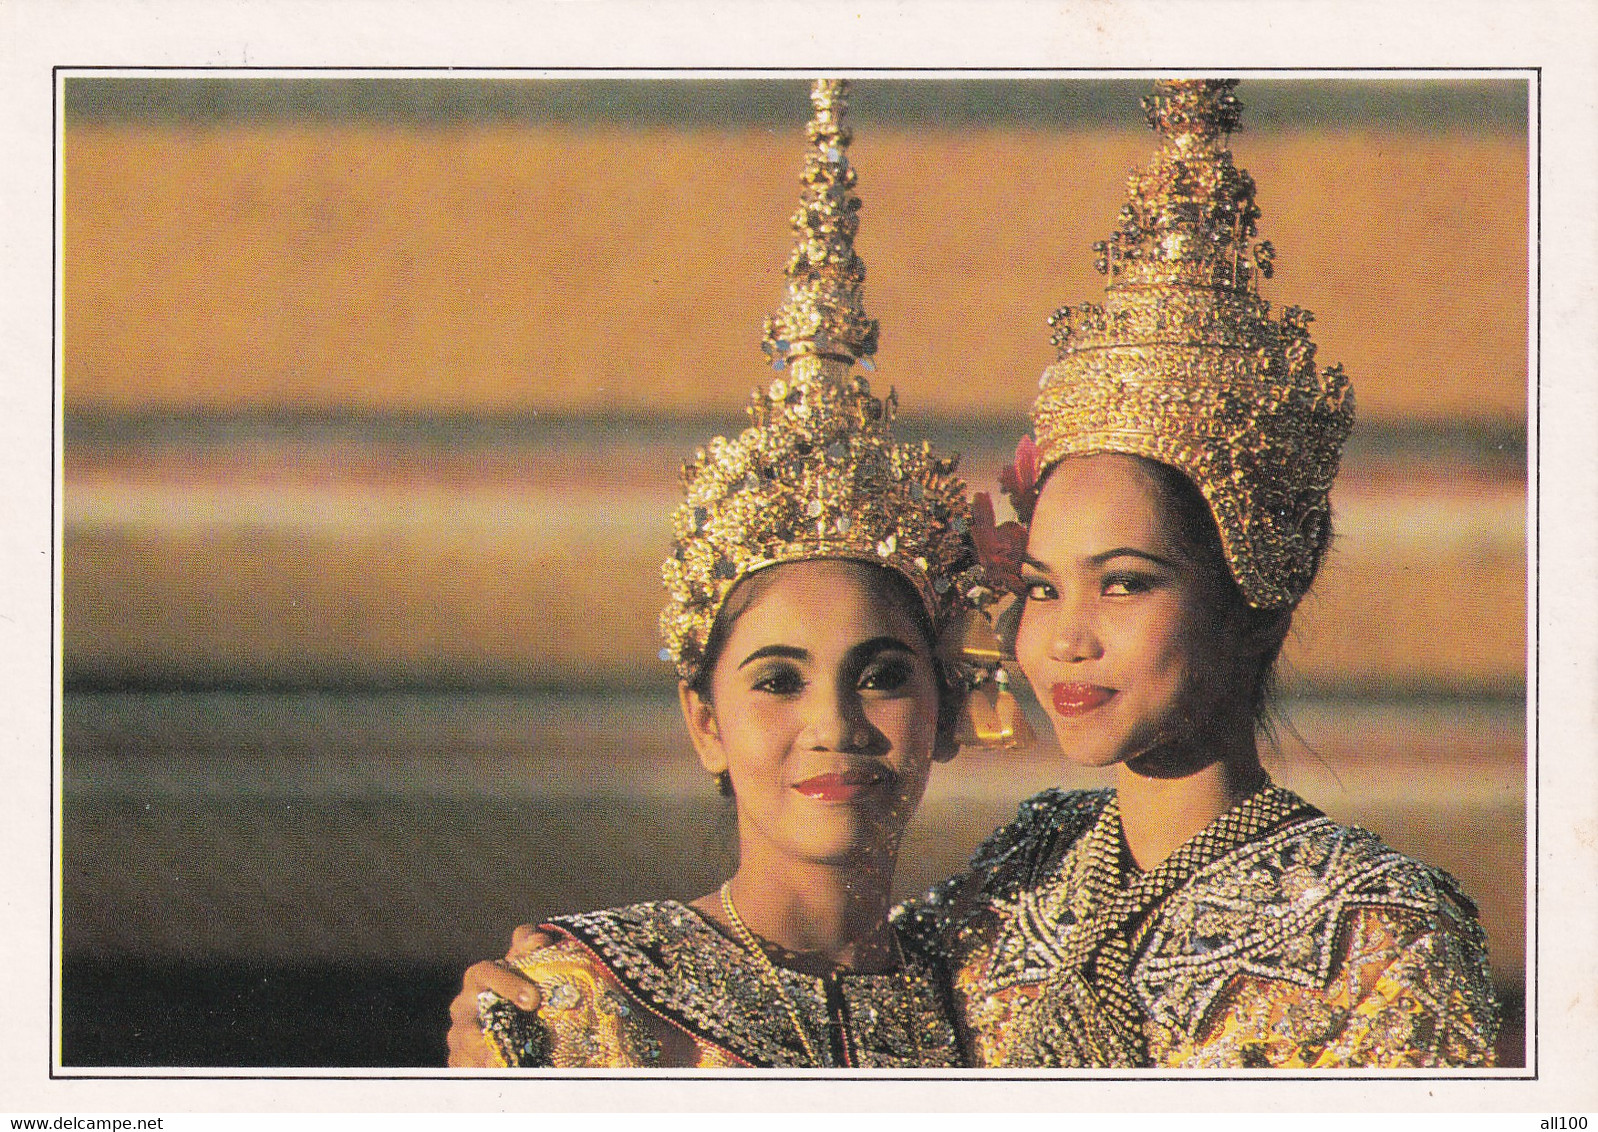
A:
[823,316]
[1184,363]
[818,474]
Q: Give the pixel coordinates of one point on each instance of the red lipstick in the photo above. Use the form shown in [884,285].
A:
[1079,699]
[841,787]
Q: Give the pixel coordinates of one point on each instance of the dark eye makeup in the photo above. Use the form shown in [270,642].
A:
[779,680]
[1035,588]
[887,674]
[1112,583]
[1127,583]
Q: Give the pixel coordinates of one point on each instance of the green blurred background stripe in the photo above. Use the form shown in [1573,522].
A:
[92,433]
[1442,103]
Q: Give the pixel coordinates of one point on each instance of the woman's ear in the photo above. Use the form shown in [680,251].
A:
[700,716]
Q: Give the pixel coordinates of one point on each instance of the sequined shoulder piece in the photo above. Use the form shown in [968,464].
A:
[587,1020]
[1018,855]
[681,969]
[1273,907]
[670,960]
[1013,858]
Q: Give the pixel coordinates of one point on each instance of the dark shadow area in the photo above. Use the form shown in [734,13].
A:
[1512,1038]
[149,1015]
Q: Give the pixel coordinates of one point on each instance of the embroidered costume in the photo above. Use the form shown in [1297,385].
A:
[818,474]
[1275,938]
[657,985]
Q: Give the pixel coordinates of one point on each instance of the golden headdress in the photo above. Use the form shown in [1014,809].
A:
[818,474]
[1183,362]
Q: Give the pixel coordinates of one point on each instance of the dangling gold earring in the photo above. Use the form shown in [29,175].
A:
[978,725]
[974,649]
[991,716]
[1012,721]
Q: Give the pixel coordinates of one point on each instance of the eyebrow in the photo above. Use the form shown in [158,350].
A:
[879,645]
[787,652]
[1107,555]
[867,648]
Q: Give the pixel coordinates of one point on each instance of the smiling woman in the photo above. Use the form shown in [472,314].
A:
[816,561]
[1197,915]
[1113,591]
[826,729]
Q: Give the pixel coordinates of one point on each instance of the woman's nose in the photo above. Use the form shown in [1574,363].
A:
[1074,637]
[836,721]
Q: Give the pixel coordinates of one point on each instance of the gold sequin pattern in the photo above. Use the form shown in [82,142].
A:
[1397,1000]
[588,1020]
[1185,363]
[819,472]
[671,965]
[1291,941]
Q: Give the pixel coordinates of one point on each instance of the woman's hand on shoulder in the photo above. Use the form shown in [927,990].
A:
[467,1048]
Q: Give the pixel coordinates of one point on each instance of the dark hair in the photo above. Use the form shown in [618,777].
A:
[749,588]
[1193,524]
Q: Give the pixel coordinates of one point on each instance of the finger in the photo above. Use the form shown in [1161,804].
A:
[496,976]
[468,1049]
[527,939]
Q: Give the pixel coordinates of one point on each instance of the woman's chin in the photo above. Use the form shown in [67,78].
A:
[1087,755]
[1094,760]
[854,844]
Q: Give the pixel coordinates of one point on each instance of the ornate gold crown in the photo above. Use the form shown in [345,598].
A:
[818,473]
[1184,363]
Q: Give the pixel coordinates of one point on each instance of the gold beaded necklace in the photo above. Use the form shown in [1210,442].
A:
[769,969]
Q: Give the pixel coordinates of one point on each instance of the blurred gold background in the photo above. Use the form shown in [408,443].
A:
[375,393]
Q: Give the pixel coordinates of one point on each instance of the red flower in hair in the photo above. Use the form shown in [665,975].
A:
[1020,480]
[999,548]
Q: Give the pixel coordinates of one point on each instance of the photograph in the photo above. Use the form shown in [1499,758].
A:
[862,570]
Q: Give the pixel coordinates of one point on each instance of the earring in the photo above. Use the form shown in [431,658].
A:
[723,782]
[991,716]
[978,725]
[1013,725]
[978,643]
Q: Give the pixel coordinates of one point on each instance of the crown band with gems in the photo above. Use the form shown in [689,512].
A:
[1183,362]
[818,474]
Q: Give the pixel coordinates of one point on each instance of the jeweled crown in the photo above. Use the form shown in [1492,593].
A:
[818,473]
[1184,362]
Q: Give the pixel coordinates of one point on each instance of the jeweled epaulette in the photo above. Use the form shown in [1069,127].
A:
[1274,909]
[1022,853]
